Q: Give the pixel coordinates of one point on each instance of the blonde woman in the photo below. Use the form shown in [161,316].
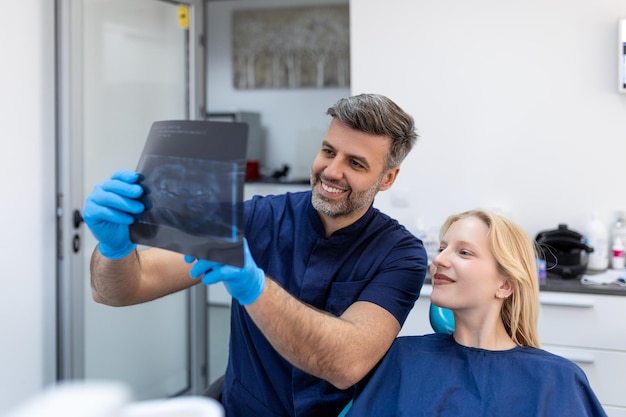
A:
[491,365]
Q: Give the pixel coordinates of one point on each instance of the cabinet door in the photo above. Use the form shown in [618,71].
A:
[604,369]
[615,411]
[583,320]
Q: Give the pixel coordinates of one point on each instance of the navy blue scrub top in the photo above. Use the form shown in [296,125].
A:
[375,259]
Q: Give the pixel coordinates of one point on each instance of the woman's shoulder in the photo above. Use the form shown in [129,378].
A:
[547,360]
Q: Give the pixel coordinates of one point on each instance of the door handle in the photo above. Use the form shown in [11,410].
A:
[77,218]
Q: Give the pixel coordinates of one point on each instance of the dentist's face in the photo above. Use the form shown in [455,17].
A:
[348,171]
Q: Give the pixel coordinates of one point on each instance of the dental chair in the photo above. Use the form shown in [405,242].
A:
[441,319]
[215,389]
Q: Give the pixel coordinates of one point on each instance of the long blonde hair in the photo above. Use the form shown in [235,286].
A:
[515,255]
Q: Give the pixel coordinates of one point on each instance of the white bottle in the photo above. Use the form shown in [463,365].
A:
[598,239]
[617,260]
[618,228]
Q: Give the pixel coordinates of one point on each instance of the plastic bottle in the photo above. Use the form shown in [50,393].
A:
[619,228]
[617,260]
[598,238]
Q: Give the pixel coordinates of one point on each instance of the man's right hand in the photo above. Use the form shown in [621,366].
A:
[110,209]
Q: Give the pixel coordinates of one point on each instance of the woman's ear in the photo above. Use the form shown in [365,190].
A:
[505,289]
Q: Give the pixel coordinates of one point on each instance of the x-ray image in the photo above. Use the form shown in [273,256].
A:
[191,195]
[193,204]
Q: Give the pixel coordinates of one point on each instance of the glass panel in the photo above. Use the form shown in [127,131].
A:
[134,73]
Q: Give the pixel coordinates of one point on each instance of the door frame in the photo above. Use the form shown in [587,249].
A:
[70,355]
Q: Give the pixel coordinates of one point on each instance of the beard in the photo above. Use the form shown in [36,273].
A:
[353,202]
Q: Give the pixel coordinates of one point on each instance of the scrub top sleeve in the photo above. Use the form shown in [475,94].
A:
[399,281]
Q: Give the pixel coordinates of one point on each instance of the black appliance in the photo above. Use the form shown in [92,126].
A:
[563,250]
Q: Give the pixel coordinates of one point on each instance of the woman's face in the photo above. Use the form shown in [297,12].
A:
[464,273]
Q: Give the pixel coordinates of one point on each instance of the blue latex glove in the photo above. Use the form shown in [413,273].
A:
[110,209]
[244,284]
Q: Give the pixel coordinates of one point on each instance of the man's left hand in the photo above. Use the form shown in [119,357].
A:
[245,284]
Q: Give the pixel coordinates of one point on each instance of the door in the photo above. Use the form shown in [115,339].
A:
[123,64]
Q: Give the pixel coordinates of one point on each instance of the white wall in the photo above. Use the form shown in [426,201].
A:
[516,104]
[293,119]
[27,247]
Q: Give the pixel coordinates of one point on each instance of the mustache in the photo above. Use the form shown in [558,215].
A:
[339,184]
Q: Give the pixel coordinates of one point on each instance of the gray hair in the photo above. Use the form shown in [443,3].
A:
[378,115]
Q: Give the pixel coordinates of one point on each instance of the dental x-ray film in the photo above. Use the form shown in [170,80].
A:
[192,173]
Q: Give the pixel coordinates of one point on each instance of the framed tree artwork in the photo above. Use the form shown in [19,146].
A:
[291,47]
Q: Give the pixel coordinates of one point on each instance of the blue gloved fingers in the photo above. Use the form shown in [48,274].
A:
[115,191]
[126,175]
[108,215]
[247,287]
[116,194]
[253,290]
[248,260]
[95,212]
[217,274]
[220,272]
[110,209]
[202,267]
[245,284]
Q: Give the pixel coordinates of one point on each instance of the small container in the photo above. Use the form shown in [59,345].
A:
[617,260]
[541,271]
[618,228]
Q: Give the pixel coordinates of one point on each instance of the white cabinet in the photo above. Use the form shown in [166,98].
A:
[615,411]
[589,320]
[588,329]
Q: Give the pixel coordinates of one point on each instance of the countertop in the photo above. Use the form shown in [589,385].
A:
[558,284]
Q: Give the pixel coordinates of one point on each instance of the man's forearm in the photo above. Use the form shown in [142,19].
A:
[340,350]
[142,276]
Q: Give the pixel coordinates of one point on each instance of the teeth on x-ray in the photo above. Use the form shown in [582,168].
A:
[192,195]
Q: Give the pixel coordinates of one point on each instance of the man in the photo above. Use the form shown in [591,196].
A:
[328,280]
